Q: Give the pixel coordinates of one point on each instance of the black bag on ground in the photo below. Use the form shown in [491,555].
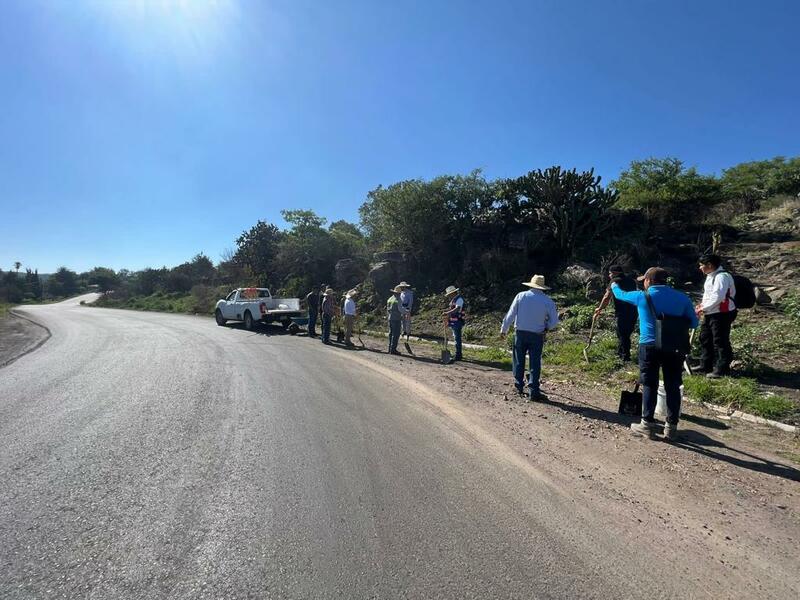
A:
[630,403]
[745,294]
[672,332]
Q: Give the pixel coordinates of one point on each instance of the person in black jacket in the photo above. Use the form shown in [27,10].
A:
[624,313]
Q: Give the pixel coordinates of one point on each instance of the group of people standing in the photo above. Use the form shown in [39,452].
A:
[665,317]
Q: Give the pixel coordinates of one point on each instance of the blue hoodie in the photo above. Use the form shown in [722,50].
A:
[665,299]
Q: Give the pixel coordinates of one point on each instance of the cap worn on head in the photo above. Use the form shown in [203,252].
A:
[655,275]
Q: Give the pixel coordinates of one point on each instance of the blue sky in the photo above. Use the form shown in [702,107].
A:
[138,133]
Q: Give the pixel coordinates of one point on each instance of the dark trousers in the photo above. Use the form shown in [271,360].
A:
[326,329]
[625,327]
[312,321]
[528,343]
[715,341]
[651,360]
[394,334]
[457,326]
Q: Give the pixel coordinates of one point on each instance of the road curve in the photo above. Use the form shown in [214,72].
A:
[147,455]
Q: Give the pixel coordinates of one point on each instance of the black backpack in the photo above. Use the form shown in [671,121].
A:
[672,331]
[745,294]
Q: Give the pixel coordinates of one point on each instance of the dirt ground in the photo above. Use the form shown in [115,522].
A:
[18,336]
[728,492]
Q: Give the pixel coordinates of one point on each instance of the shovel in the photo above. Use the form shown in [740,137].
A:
[339,332]
[358,334]
[446,359]
[406,344]
[591,335]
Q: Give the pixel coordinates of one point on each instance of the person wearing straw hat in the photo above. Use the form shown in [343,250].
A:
[349,315]
[455,317]
[395,314]
[533,313]
[328,311]
[407,301]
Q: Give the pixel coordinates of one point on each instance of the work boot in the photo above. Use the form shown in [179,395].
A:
[670,432]
[645,428]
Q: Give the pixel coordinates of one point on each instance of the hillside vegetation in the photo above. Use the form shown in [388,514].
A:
[486,236]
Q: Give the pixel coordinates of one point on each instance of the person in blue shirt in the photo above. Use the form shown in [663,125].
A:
[666,301]
[533,313]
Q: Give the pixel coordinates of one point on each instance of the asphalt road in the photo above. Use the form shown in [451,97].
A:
[148,455]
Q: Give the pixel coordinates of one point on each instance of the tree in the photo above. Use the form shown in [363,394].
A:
[17,265]
[754,182]
[63,283]
[429,220]
[200,269]
[306,254]
[573,205]
[33,285]
[104,278]
[257,248]
[666,190]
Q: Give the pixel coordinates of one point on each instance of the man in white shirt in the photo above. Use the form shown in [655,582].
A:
[349,315]
[718,311]
[407,302]
[533,313]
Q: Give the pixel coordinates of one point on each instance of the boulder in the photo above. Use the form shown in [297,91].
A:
[348,273]
[383,276]
[762,297]
[577,275]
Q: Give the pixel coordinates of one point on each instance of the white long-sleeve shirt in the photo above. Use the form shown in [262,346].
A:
[719,291]
[531,311]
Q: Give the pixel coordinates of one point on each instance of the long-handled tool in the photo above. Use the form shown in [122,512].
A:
[446,359]
[408,334]
[591,335]
[339,332]
[686,364]
[358,333]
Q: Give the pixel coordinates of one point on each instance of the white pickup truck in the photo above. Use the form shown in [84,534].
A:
[256,304]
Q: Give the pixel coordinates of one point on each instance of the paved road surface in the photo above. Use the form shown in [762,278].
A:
[147,455]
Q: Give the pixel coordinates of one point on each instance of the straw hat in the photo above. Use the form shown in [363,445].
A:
[397,289]
[403,284]
[536,282]
[329,292]
[451,289]
[351,293]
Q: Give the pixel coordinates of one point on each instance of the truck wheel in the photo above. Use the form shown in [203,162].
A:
[285,323]
[219,318]
[293,329]
[248,321]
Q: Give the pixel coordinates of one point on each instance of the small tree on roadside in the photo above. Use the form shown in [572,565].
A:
[573,205]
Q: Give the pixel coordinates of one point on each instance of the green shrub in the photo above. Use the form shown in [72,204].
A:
[579,318]
[790,305]
[740,393]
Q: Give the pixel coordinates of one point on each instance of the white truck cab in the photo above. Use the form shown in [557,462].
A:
[256,304]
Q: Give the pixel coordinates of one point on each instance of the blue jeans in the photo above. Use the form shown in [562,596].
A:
[394,335]
[651,360]
[312,321]
[457,326]
[528,343]
[326,329]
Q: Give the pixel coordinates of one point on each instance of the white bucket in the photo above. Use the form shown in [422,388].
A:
[661,402]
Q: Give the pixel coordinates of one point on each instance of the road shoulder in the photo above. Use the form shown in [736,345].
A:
[19,336]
